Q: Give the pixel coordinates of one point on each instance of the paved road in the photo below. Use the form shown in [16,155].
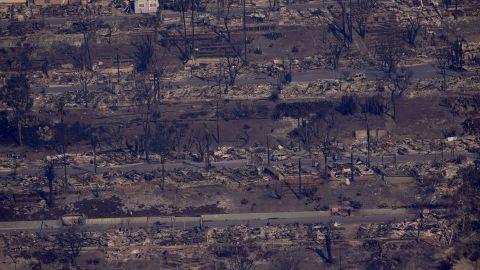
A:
[220,220]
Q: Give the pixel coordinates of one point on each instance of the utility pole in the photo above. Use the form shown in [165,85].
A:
[217,124]
[368,145]
[268,152]
[118,67]
[156,85]
[299,176]
[244,32]
[94,148]
[352,167]
[207,146]
[193,29]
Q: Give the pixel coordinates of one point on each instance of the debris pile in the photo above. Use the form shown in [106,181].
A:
[229,153]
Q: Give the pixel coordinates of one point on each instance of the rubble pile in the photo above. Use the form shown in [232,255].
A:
[281,153]
[186,175]
[229,153]
[412,146]
[328,87]
[9,163]
[241,233]
[313,89]
[237,91]
[447,170]
[432,227]
[245,175]
[311,16]
[106,159]
[21,183]
[344,171]
[154,235]
[375,231]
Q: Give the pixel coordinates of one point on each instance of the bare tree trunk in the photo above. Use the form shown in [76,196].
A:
[87,47]
[207,146]
[147,141]
[394,107]
[118,67]
[328,244]
[325,169]
[146,132]
[95,160]
[444,81]
[50,192]
[19,130]
[352,166]
[163,172]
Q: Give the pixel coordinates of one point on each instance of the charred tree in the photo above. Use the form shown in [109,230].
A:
[50,175]
[71,244]
[389,56]
[411,30]
[400,84]
[16,96]
[94,144]
[361,12]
